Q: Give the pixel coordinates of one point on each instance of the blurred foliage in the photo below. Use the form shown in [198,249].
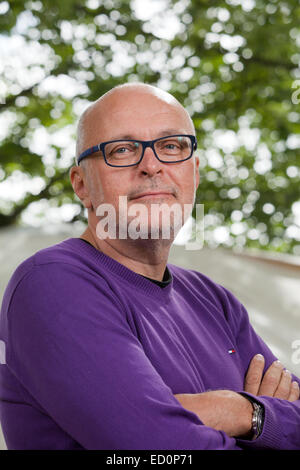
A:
[234,64]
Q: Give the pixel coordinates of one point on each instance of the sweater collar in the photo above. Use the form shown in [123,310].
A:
[134,279]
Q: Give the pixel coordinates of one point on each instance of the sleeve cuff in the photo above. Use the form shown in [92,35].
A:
[271,436]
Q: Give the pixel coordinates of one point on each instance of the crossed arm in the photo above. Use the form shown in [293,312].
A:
[228,411]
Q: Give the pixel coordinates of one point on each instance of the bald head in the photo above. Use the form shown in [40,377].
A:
[95,116]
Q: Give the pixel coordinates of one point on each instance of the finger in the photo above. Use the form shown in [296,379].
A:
[271,379]
[294,392]
[254,374]
[284,387]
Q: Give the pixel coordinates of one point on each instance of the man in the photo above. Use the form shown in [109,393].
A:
[107,345]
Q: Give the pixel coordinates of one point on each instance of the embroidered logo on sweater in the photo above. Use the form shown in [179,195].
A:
[231,351]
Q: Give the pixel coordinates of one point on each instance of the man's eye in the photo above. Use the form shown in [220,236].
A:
[171,145]
[121,150]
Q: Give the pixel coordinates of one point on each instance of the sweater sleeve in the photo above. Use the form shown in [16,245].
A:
[72,349]
[281,428]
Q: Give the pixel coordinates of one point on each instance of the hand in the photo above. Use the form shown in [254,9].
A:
[230,412]
[276,382]
[222,410]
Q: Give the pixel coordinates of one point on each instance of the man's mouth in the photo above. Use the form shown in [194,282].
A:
[152,195]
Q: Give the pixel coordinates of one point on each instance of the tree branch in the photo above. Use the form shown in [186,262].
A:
[62,68]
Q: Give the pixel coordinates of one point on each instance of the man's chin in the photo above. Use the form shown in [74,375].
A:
[152,231]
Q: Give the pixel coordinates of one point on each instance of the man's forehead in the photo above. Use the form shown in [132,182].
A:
[122,108]
[142,127]
[143,112]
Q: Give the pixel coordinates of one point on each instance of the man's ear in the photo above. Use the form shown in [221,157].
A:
[197,175]
[79,183]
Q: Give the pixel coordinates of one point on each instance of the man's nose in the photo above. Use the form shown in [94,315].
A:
[150,165]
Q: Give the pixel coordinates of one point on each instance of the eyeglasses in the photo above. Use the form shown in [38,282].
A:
[121,153]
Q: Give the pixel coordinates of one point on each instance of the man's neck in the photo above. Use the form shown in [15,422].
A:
[146,257]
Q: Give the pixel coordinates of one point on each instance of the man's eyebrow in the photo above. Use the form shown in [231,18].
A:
[172,132]
[160,134]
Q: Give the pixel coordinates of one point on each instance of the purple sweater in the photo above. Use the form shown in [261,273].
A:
[94,353]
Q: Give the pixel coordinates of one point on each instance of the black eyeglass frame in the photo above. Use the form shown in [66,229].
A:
[145,143]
